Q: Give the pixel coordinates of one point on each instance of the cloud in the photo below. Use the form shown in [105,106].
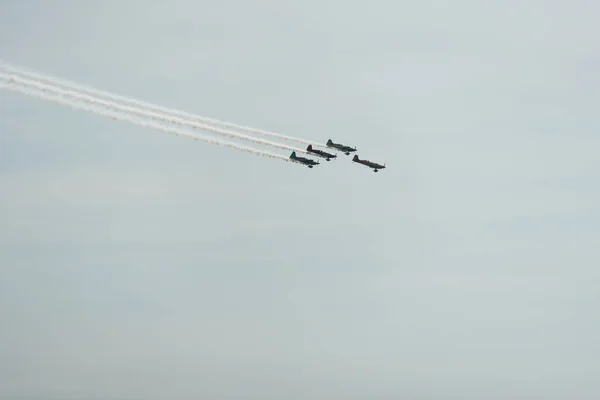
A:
[134,264]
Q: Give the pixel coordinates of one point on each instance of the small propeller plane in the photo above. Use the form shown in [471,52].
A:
[369,164]
[306,161]
[345,149]
[320,153]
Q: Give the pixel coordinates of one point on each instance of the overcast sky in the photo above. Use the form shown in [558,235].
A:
[139,265]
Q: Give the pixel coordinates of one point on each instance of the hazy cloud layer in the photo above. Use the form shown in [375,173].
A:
[138,265]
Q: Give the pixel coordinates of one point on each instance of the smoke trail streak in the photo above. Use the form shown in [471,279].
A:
[140,112]
[133,102]
[40,94]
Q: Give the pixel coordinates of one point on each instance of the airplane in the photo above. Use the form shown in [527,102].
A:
[320,153]
[340,147]
[369,164]
[306,161]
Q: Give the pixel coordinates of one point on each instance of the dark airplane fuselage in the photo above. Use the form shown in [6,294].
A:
[376,167]
[320,153]
[306,161]
[345,149]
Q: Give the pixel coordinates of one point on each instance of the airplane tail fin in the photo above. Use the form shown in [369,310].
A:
[329,141]
[355,158]
[309,148]
[293,154]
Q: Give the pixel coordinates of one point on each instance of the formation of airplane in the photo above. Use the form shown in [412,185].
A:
[328,156]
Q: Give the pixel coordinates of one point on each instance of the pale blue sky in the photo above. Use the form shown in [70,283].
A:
[139,265]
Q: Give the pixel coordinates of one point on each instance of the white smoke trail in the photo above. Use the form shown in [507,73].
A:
[141,104]
[144,113]
[40,94]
